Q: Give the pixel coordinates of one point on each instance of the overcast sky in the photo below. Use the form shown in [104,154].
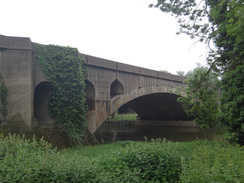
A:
[120,30]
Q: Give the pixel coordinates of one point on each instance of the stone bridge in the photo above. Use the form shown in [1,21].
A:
[109,85]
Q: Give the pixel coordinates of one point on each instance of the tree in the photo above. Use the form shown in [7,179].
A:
[180,73]
[165,71]
[233,104]
[222,23]
[202,101]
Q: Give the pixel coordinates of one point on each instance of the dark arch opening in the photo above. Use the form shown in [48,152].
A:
[159,106]
[116,88]
[90,95]
[41,99]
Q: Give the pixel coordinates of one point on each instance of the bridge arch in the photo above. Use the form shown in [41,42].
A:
[116,88]
[106,109]
[153,104]
[120,100]
[158,106]
[90,95]
[41,99]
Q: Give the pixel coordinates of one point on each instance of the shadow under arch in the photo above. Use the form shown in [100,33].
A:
[158,106]
[105,109]
[41,100]
[116,88]
[90,95]
[155,103]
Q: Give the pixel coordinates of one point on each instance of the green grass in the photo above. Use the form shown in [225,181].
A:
[123,117]
[23,160]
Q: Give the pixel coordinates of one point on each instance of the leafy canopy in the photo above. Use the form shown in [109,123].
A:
[202,99]
[220,22]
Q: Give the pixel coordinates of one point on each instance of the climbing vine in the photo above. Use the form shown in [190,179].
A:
[63,67]
[3,102]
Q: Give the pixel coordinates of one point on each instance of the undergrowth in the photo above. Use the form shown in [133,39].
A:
[23,160]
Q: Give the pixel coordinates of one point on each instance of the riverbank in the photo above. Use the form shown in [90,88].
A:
[178,123]
[28,161]
[132,120]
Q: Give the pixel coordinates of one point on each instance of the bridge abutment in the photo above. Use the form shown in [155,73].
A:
[16,69]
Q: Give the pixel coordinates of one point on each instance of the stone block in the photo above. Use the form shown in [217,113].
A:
[15,43]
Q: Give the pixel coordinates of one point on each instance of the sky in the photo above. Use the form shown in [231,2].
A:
[126,31]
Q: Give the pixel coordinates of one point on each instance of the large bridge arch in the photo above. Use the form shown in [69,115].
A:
[156,91]
[120,100]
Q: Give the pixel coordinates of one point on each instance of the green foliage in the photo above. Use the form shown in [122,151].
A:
[222,23]
[165,71]
[180,73]
[210,20]
[202,100]
[23,160]
[28,161]
[63,67]
[3,101]
[156,161]
[233,104]
[123,117]
[213,162]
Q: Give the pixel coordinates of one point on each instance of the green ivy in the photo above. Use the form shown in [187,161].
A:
[63,67]
[3,101]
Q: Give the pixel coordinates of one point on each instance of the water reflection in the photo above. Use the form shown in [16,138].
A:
[139,133]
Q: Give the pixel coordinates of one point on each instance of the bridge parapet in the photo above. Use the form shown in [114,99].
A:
[108,64]
[15,43]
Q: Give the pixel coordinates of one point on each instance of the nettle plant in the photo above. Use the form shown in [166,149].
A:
[63,67]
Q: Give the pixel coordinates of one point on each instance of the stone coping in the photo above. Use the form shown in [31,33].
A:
[112,65]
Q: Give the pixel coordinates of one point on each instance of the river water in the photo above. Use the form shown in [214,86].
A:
[112,134]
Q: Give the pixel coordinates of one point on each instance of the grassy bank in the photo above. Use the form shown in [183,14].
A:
[123,117]
[23,160]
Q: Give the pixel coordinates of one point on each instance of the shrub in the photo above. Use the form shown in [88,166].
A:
[24,160]
[155,161]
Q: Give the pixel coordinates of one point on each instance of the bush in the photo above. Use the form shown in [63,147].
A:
[24,160]
[156,161]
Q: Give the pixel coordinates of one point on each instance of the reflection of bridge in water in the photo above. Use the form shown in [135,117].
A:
[110,85]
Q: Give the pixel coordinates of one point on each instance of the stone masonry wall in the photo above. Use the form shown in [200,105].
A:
[21,74]
[16,70]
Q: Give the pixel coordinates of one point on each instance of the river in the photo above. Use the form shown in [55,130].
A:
[110,134]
